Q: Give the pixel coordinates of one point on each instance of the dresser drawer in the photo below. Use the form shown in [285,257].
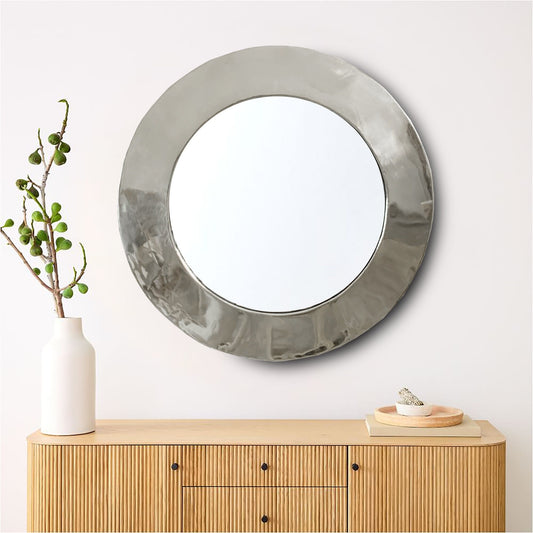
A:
[277,466]
[264,509]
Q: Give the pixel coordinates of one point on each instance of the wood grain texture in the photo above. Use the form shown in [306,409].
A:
[427,488]
[173,480]
[102,488]
[257,432]
[286,509]
[435,484]
[286,466]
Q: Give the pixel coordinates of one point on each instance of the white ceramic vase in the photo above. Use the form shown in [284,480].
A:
[67,381]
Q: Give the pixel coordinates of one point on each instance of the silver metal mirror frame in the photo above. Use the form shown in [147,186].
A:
[144,213]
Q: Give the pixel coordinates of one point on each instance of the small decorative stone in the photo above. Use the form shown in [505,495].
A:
[408,398]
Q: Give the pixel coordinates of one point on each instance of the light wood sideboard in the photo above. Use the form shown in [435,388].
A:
[263,475]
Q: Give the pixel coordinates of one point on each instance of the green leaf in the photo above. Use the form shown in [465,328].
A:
[42,235]
[49,268]
[61,227]
[82,288]
[8,223]
[55,208]
[37,271]
[21,184]
[54,138]
[24,239]
[55,218]
[37,216]
[64,147]
[36,251]
[67,293]
[59,158]
[35,158]
[63,244]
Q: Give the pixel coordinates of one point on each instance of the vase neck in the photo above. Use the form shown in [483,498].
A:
[67,327]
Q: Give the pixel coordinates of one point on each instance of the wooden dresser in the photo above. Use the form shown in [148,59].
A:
[263,475]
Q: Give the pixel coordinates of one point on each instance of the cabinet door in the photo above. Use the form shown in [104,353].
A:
[264,509]
[103,488]
[426,488]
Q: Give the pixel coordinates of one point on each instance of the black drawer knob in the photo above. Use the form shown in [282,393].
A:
[264,467]
[174,466]
[264,519]
[355,466]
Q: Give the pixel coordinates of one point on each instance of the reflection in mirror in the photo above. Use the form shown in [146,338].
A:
[276,204]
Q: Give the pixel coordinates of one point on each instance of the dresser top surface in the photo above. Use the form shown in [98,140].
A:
[253,432]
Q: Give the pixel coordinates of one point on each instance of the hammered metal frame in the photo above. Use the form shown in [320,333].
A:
[144,212]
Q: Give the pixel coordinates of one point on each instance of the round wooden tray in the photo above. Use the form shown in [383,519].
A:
[439,418]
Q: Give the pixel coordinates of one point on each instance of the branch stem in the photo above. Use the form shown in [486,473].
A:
[51,256]
[50,245]
[77,276]
[21,255]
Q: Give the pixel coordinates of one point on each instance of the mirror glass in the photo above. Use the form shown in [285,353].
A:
[276,204]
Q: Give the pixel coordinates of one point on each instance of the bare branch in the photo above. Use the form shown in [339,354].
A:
[21,255]
[32,182]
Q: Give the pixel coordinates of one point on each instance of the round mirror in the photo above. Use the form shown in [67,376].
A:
[276,204]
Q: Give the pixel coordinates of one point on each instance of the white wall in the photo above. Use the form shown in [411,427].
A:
[462,334]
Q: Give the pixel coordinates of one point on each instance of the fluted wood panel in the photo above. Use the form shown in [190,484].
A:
[311,488]
[241,509]
[102,488]
[172,520]
[427,488]
[287,466]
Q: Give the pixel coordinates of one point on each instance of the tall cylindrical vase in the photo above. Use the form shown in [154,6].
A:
[67,381]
